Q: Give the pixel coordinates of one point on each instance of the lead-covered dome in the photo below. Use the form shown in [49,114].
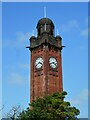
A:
[44,21]
[45,25]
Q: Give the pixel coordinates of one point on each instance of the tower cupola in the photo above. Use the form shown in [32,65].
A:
[45,25]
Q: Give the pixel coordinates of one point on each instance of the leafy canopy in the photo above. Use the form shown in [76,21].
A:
[51,107]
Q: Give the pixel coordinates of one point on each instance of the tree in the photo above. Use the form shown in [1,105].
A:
[2,108]
[52,107]
[14,112]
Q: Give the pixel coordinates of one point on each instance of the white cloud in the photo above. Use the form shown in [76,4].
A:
[25,66]
[19,65]
[84,94]
[71,25]
[18,79]
[20,40]
[84,33]
[80,99]
[74,25]
[22,36]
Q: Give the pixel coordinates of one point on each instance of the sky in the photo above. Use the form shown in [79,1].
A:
[19,21]
[0,57]
[45,0]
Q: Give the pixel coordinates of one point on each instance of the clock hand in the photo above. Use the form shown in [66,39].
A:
[51,62]
[39,63]
[54,63]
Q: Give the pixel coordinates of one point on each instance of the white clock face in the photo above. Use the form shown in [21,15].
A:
[53,62]
[38,62]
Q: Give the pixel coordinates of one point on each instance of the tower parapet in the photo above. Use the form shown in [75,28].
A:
[45,30]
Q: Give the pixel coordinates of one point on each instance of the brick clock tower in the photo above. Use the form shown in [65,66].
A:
[46,61]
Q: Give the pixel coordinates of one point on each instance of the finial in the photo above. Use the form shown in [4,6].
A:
[33,33]
[57,32]
[45,26]
[45,11]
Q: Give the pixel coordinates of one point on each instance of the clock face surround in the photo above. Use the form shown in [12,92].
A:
[39,62]
[53,62]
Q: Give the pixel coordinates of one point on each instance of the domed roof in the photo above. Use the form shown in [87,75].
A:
[43,21]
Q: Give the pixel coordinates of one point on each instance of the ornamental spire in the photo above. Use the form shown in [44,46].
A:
[45,11]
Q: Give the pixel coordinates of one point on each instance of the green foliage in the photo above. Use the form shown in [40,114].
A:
[52,107]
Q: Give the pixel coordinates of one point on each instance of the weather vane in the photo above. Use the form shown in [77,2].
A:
[45,11]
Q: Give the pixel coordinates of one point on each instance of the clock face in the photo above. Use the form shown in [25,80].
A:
[53,62]
[39,62]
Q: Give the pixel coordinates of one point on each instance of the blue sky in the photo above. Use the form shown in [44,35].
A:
[0,57]
[19,21]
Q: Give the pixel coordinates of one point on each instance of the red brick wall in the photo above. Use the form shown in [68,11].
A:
[45,81]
